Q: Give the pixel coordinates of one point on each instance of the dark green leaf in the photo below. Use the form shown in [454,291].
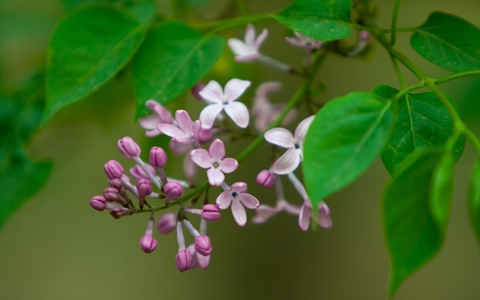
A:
[474,200]
[416,205]
[323,20]
[422,122]
[71,4]
[173,58]
[343,141]
[87,48]
[449,42]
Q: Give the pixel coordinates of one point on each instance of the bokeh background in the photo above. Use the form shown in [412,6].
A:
[57,247]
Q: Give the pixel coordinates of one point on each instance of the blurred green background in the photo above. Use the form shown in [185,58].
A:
[57,247]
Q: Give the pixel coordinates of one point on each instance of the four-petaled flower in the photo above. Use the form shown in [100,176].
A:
[220,100]
[303,41]
[150,123]
[305,216]
[214,161]
[290,160]
[238,197]
[186,132]
[248,49]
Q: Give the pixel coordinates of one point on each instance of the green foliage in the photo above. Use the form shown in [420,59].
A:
[474,200]
[343,141]
[422,122]
[416,205]
[449,42]
[323,20]
[87,48]
[173,58]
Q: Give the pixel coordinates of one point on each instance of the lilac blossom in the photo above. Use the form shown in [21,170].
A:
[248,49]
[303,41]
[238,197]
[150,123]
[186,131]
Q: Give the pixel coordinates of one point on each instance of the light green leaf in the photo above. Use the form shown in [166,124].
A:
[87,48]
[173,58]
[323,20]
[422,122]
[343,141]
[449,42]
[416,206]
[474,200]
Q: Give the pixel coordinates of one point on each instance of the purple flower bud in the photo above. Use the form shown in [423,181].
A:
[173,190]
[266,179]
[365,37]
[115,183]
[203,245]
[128,148]
[210,212]
[98,202]
[196,90]
[113,169]
[148,243]
[111,194]
[116,212]
[184,260]
[144,187]
[167,223]
[204,136]
[158,158]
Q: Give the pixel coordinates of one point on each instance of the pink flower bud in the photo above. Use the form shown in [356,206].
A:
[144,187]
[116,183]
[266,179]
[113,169]
[148,243]
[128,148]
[203,245]
[184,260]
[138,173]
[98,202]
[173,190]
[196,90]
[111,194]
[116,212]
[210,212]
[167,223]
[158,158]
[204,136]
[365,37]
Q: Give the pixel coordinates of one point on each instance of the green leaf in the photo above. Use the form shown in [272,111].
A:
[416,206]
[87,48]
[449,42]
[343,141]
[323,20]
[474,200]
[72,4]
[173,58]
[422,122]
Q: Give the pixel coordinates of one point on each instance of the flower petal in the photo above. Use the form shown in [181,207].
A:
[248,201]
[179,148]
[172,131]
[239,48]
[324,219]
[239,113]
[149,123]
[260,39]
[184,122]
[250,35]
[302,129]
[152,133]
[247,57]
[215,176]
[217,150]
[266,88]
[280,137]
[239,187]
[208,115]
[212,92]
[189,167]
[202,158]
[239,213]
[228,165]
[224,199]
[264,212]
[202,261]
[235,88]
[304,217]
[287,163]
[163,115]
[294,42]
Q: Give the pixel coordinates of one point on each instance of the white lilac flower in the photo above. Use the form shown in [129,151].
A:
[150,123]
[214,161]
[303,41]
[224,100]
[290,160]
[247,50]
[186,131]
[305,216]
[238,198]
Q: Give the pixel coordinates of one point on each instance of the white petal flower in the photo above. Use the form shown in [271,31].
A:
[238,198]
[247,50]
[304,41]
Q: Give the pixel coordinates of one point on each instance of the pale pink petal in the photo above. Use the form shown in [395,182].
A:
[224,199]
[250,35]
[180,148]
[247,57]
[228,165]
[202,261]
[217,150]
[212,92]
[294,41]
[280,137]
[290,208]
[208,115]
[149,123]
[266,88]
[324,219]
[287,163]
[235,88]
[239,213]
[248,201]
[302,129]
[152,133]
[239,48]
[201,157]
[304,217]
[239,113]
[264,212]
[172,131]
[260,39]
[163,115]
[189,167]
[192,251]
[215,176]
[239,187]
[184,122]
